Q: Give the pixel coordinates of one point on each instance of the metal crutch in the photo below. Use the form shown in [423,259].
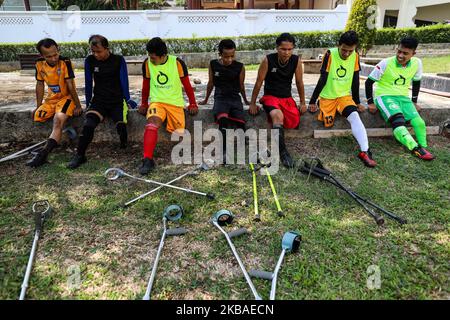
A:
[265,165]
[290,243]
[115,173]
[32,149]
[255,193]
[23,152]
[224,217]
[171,213]
[41,210]
[274,192]
[203,167]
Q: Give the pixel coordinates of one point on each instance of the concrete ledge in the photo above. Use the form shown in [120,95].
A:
[312,66]
[17,126]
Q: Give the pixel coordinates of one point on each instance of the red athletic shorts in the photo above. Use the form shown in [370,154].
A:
[287,105]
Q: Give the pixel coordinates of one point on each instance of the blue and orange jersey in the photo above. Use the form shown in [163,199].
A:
[55,77]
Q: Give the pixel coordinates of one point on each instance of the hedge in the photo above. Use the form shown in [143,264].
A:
[438,33]
[430,34]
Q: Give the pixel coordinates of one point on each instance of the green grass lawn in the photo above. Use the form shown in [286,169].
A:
[113,248]
[436,64]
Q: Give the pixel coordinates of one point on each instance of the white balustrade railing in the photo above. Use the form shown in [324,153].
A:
[67,26]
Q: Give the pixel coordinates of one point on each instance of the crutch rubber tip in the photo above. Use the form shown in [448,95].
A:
[257,218]
[280,213]
[210,196]
[380,221]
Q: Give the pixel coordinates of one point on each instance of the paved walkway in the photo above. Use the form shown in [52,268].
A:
[18,91]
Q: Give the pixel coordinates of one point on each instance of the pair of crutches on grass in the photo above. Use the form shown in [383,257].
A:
[115,173]
[290,243]
[254,168]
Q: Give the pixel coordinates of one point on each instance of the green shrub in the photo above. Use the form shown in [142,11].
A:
[359,20]
[430,34]
[438,33]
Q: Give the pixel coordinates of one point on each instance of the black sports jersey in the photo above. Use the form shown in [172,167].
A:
[226,79]
[109,80]
[278,81]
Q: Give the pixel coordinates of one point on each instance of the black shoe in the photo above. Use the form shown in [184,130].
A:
[286,160]
[38,160]
[147,166]
[76,161]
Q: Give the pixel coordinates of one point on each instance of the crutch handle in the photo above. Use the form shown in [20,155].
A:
[176,231]
[237,233]
[266,275]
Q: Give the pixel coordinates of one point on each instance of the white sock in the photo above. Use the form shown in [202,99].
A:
[359,131]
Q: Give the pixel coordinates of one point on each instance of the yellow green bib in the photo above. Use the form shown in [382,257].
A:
[396,79]
[340,76]
[165,83]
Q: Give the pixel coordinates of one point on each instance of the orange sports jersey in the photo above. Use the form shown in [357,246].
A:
[327,57]
[182,69]
[55,77]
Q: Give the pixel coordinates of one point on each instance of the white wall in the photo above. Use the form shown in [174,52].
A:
[437,13]
[17,27]
[410,9]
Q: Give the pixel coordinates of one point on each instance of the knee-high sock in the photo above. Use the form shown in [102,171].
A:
[150,139]
[420,130]
[85,139]
[49,146]
[404,137]
[87,134]
[282,144]
[122,131]
[358,130]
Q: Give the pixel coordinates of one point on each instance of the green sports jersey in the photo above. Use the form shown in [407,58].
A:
[393,79]
[165,83]
[340,75]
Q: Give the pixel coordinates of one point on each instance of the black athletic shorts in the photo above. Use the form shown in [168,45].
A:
[117,112]
[233,107]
